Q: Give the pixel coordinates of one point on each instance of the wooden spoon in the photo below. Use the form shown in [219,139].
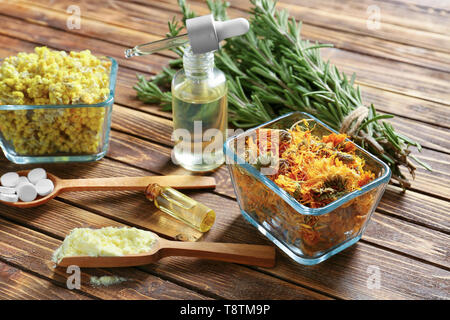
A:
[120,183]
[256,255]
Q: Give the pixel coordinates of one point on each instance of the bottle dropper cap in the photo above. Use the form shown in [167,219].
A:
[205,34]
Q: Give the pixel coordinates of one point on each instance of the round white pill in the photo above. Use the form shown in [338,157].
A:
[7,190]
[21,184]
[9,197]
[9,179]
[22,179]
[37,174]
[27,192]
[44,187]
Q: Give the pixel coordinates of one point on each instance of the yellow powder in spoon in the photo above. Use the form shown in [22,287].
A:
[108,241]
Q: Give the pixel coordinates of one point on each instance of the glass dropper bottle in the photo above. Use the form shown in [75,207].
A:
[203,33]
[155,46]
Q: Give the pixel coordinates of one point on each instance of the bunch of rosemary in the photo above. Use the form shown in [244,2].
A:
[272,70]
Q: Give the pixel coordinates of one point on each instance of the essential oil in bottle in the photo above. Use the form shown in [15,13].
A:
[181,207]
[200,109]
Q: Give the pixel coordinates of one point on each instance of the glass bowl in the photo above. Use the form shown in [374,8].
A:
[57,133]
[307,235]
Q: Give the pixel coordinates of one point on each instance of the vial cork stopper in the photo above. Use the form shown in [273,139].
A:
[152,191]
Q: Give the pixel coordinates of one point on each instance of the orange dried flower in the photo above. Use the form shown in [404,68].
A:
[315,171]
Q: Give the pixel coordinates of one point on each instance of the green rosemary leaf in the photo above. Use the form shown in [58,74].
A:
[383,116]
[271,70]
[423,164]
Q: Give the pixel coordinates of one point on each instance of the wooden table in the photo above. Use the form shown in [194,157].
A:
[403,68]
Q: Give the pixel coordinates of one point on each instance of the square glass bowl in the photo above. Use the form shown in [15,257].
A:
[57,133]
[307,235]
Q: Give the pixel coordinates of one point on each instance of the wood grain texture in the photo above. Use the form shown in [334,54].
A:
[94,11]
[412,205]
[328,33]
[386,101]
[442,255]
[16,284]
[321,13]
[33,250]
[70,217]
[403,68]
[159,130]
[231,227]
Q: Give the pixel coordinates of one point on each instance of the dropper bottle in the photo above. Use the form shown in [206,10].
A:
[204,35]
[199,91]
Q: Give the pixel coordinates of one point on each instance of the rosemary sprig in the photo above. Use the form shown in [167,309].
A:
[272,70]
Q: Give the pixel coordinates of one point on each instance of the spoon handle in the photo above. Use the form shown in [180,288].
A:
[137,183]
[256,255]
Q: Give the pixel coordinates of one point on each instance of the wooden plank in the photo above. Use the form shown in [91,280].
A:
[414,240]
[92,28]
[160,130]
[410,239]
[430,139]
[33,250]
[108,202]
[392,76]
[413,206]
[405,106]
[385,101]
[432,18]
[231,282]
[400,277]
[335,19]
[416,207]
[231,227]
[41,35]
[436,182]
[433,83]
[150,156]
[16,284]
[368,45]
[379,47]
[429,136]
[70,217]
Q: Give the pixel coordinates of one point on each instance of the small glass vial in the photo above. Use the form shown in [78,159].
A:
[181,207]
[200,109]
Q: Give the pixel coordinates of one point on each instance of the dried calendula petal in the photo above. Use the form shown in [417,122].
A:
[315,171]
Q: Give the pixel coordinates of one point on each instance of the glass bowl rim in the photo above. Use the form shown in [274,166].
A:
[105,103]
[302,209]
